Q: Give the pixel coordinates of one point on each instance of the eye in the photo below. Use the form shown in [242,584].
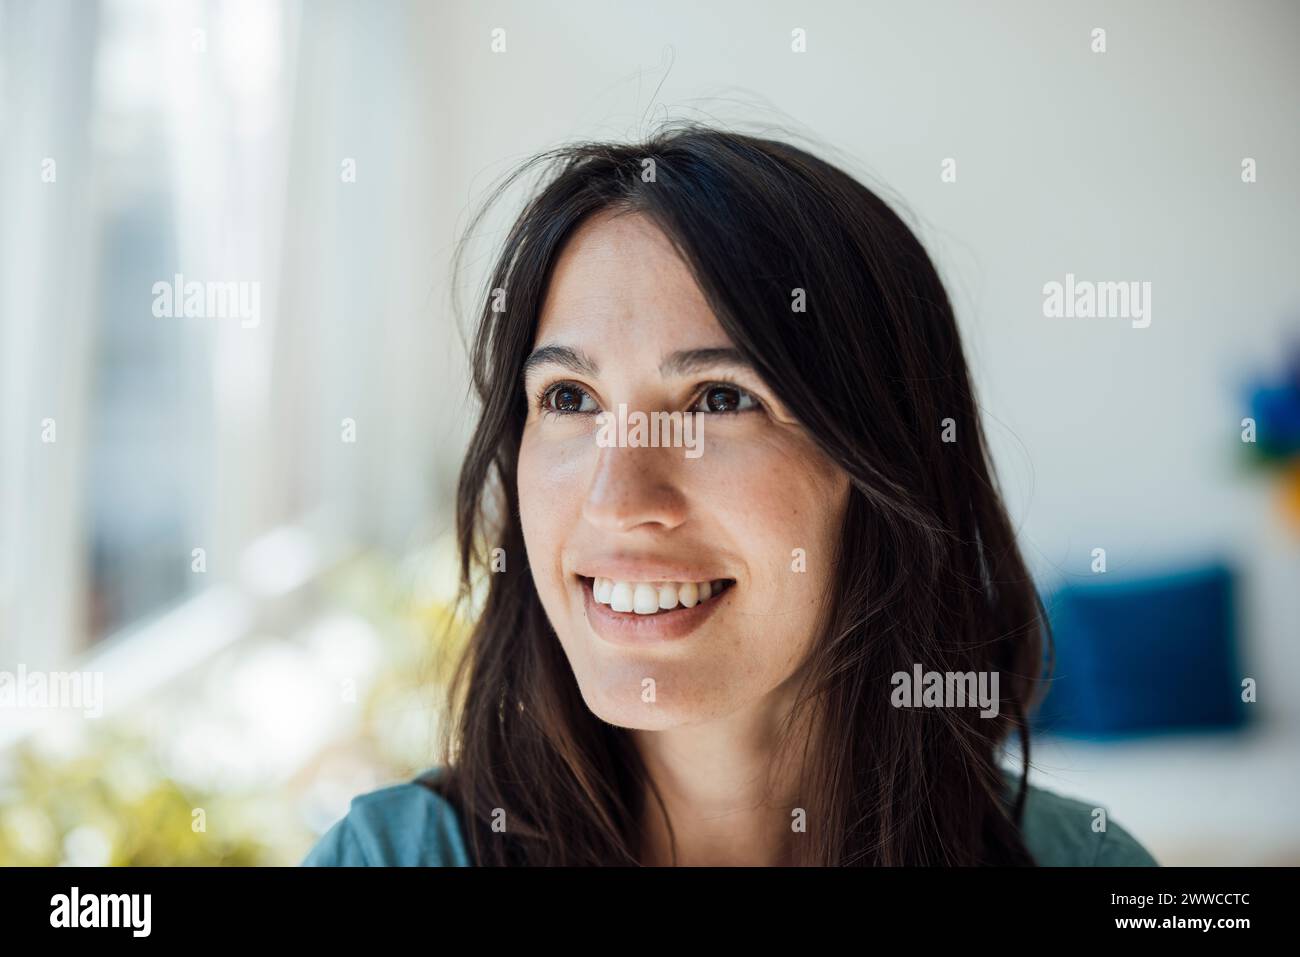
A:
[723,398]
[565,398]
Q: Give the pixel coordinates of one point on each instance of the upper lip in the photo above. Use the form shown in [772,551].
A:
[628,568]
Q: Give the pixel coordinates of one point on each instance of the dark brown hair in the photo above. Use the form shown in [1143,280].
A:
[928,571]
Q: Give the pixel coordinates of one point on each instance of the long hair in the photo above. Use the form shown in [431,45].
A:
[927,570]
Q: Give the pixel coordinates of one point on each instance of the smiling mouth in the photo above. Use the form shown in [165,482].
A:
[660,599]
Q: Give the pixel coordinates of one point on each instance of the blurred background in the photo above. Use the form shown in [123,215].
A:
[236,526]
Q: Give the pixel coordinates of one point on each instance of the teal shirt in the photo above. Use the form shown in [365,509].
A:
[407,825]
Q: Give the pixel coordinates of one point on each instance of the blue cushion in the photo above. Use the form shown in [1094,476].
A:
[1142,655]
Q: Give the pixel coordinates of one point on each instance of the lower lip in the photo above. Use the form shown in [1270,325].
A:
[621,628]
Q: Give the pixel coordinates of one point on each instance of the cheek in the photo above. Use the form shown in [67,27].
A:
[549,483]
[774,496]
[782,503]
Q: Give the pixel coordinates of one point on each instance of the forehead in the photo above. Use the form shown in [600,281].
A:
[619,276]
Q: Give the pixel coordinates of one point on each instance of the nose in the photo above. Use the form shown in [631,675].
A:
[634,488]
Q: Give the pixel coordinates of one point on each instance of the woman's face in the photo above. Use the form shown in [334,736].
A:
[746,501]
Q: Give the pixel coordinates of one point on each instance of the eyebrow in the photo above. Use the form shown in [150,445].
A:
[682,362]
[693,360]
[574,360]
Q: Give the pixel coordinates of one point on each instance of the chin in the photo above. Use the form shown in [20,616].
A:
[617,700]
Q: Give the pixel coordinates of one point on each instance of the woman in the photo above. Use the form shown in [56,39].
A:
[701,650]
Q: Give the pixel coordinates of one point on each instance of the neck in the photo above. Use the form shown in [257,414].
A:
[727,791]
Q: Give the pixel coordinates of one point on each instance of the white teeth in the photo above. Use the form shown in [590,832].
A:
[620,597]
[645,600]
[648,598]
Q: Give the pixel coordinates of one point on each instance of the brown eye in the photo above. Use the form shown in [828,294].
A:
[566,399]
[725,398]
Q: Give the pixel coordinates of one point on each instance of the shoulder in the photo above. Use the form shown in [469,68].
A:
[402,825]
[1064,832]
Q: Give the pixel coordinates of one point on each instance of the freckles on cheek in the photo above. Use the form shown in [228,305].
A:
[780,493]
[738,476]
[765,491]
